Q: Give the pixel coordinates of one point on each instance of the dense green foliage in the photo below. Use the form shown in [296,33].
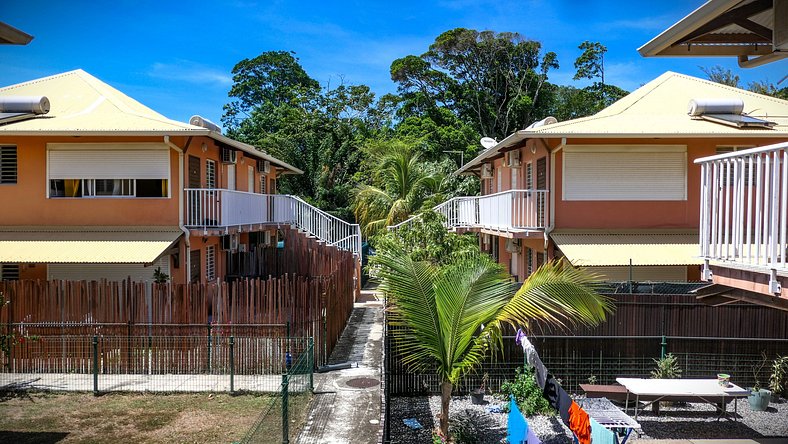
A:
[778,381]
[448,313]
[468,84]
[527,393]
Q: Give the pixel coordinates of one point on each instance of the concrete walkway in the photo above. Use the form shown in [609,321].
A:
[346,406]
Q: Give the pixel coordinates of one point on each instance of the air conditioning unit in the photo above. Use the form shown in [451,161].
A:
[243,248]
[263,166]
[487,171]
[513,159]
[229,155]
[230,242]
[513,245]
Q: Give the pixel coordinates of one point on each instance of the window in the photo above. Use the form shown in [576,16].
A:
[107,170]
[723,149]
[108,188]
[8,165]
[529,176]
[250,179]
[9,272]
[263,189]
[529,260]
[210,263]
[210,174]
[623,173]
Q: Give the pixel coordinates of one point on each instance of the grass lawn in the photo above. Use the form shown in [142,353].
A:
[139,418]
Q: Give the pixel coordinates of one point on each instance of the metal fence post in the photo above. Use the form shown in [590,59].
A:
[232,364]
[285,419]
[208,364]
[95,365]
[664,347]
[311,363]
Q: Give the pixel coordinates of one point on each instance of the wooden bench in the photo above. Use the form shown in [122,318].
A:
[613,392]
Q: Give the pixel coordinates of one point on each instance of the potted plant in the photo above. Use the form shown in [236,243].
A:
[759,398]
[477,396]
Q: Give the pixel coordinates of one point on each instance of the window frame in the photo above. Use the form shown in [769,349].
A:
[15,179]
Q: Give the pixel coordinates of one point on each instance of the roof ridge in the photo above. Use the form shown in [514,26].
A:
[41,79]
[103,88]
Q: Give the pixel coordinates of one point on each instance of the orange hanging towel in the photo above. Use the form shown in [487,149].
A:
[579,424]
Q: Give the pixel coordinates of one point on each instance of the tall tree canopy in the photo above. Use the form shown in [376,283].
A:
[278,108]
[490,81]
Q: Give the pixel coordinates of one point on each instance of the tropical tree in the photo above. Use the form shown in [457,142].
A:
[448,317]
[398,188]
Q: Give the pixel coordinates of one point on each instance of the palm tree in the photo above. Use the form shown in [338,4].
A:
[447,318]
[403,187]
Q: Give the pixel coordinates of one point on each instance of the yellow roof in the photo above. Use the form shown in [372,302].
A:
[83,105]
[597,249]
[109,245]
[659,109]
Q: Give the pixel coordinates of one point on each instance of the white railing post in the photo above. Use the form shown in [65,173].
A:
[743,206]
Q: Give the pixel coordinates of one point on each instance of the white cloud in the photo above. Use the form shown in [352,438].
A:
[191,72]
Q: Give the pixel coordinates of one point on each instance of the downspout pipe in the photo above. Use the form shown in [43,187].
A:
[181,194]
[551,209]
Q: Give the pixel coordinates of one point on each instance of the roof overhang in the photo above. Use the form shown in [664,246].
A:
[509,141]
[718,295]
[618,248]
[224,140]
[104,245]
[12,36]
[754,31]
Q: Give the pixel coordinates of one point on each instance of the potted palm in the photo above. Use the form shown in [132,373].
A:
[759,398]
[477,396]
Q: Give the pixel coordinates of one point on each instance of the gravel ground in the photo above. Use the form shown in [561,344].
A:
[687,421]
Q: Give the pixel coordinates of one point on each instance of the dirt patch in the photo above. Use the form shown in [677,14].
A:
[142,418]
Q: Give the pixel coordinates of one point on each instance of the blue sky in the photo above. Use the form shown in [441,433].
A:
[176,57]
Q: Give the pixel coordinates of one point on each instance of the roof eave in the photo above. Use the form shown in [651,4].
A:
[683,27]
[508,141]
[249,149]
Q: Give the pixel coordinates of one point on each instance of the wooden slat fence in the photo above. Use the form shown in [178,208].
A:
[708,340]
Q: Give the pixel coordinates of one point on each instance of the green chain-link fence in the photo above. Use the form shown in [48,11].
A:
[282,417]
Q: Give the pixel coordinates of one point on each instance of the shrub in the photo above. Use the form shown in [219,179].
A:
[778,381]
[526,393]
[667,368]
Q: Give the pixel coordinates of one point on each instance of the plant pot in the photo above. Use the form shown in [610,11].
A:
[759,400]
[477,397]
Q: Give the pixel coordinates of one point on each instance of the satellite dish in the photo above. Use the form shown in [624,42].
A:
[488,142]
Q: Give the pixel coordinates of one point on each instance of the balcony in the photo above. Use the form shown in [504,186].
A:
[743,221]
[513,213]
[221,210]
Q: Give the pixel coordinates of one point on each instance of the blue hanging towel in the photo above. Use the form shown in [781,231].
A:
[518,427]
[600,434]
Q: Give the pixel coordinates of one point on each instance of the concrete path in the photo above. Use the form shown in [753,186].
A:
[346,406]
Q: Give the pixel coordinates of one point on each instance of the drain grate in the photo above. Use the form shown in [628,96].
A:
[362,382]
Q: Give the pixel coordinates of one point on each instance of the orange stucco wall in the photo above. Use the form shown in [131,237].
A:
[639,214]
[206,148]
[26,202]
[606,214]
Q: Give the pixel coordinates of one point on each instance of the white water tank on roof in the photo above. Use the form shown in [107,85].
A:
[205,123]
[24,104]
[699,107]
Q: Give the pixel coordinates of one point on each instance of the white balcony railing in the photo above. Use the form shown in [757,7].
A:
[743,206]
[513,210]
[219,208]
